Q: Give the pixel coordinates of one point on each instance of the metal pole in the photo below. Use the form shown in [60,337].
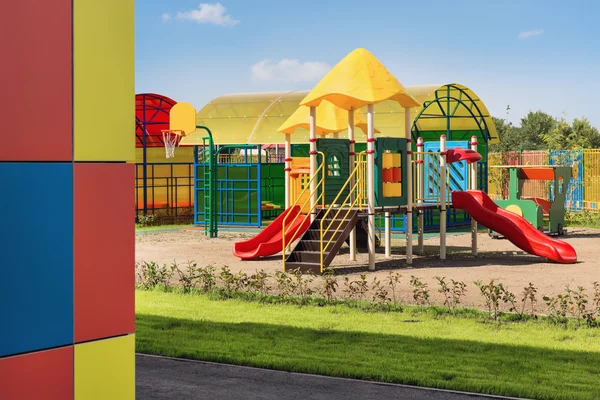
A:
[409,187]
[313,162]
[288,168]
[371,185]
[144,172]
[420,193]
[474,187]
[352,181]
[388,235]
[443,197]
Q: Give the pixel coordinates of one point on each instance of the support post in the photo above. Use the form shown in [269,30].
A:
[371,184]
[443,197]
[474,187]
[409,186]
[420,194]
[313,162]
[352,180]
[288,168]
[388,235]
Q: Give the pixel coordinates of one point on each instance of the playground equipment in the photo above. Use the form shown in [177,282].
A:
[544,214]
[183,122]
[343,187]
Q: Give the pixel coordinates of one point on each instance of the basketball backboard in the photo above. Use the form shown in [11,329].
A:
[183,118]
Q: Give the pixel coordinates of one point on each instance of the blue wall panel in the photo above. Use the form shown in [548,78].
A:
[36,256]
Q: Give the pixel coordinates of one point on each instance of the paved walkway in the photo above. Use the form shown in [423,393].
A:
[167,378]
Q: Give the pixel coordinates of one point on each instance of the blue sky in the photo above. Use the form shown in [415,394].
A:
[528,54]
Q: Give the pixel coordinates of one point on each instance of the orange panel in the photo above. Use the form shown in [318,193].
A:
[42,375]
[36,99]
[104,250]
[396,174]
[387,175]
[537,174]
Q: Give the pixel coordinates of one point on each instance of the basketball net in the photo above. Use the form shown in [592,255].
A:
[171,140]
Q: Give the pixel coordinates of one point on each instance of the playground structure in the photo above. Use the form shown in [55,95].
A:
[164,186]
[243,119]
[545,215]
[380,181]
[583,190]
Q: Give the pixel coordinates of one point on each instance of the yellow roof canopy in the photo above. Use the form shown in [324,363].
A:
[255,118]
[358,80]
[330,119]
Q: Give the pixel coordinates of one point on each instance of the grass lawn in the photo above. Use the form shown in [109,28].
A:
[521,359]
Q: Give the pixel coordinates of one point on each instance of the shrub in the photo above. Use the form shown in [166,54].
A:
[151,275]
[206,278]
[380,292]
[285,284]
[228,279]
[329,286]
[147,219]
[188,278]
[492,294]
[452,292]
[259,282]
[420,291]
[393,280]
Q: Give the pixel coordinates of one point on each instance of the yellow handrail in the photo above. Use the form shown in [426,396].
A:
[321,196]
[358,174]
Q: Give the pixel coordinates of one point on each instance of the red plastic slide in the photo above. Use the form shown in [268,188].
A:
[516,229]
[270,240]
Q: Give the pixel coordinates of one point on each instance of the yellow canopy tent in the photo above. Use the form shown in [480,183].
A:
[255,118]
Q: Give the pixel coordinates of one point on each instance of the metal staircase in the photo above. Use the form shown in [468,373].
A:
[307,255]
[332,223]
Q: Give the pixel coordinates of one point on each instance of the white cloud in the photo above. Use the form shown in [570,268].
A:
[209,14]
[287,70]
[165,17]
[528,34]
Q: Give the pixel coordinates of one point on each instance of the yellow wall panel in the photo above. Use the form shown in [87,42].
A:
[104,88]
[105,369]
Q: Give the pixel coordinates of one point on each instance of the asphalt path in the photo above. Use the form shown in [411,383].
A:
[160,378]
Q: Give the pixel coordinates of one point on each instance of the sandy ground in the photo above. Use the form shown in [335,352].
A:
[497,259]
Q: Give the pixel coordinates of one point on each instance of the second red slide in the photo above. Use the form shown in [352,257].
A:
[270,240]
[513,227]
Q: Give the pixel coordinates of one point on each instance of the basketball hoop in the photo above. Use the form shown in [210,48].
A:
[171,139]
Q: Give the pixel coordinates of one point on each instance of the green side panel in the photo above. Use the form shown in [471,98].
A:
[395,145]
[337,167]
[300,150]
[273,184]
[531,211]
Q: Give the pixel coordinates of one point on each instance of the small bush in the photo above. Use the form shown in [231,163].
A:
[188,278]
[492,293]
[329,285]
[393,280]
[453,292]
[420,291]
[147,219]
[258,282]
[150,275]
[380,292]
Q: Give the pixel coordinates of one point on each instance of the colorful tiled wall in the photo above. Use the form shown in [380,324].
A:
[67,243]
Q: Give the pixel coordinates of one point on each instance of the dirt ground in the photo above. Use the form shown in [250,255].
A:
[497,259]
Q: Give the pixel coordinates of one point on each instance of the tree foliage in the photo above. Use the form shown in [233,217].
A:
[541,131]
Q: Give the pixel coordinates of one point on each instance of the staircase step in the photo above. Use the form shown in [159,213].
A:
[309,245]
[306,256]
[303,267]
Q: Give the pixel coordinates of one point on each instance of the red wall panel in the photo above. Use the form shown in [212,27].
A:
[43,375]
[36,74]
[104,237]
